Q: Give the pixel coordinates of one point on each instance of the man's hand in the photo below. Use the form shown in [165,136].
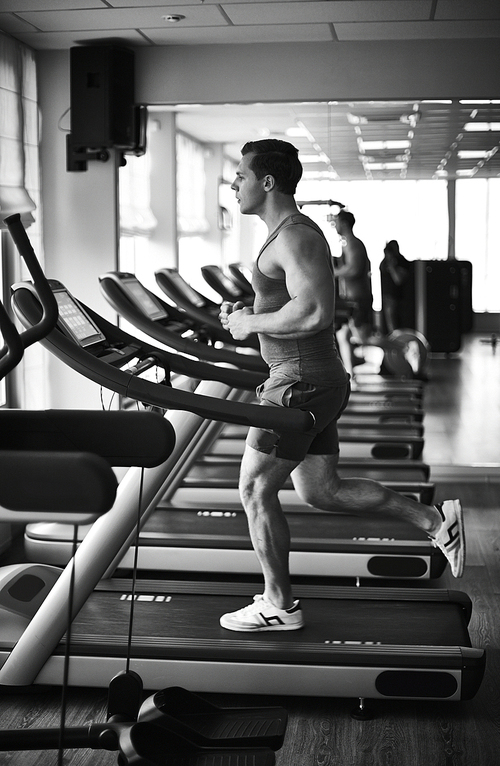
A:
[233,318]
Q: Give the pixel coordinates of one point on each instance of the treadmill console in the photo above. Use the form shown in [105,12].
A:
[77,324]
[141,298]
[184,288]
[75,320]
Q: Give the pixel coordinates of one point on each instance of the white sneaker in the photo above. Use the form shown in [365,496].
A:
[263,615]
[451,538]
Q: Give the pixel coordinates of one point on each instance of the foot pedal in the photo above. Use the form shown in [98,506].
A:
[155,745]
[207,724]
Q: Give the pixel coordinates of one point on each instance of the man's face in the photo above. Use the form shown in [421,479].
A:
[249,190]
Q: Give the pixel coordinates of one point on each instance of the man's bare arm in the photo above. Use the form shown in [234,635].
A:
[304,263]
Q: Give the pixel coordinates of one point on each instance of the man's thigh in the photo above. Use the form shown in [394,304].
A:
[316,477]
[264,472]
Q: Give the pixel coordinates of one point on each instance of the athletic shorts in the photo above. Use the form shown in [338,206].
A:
[326,404]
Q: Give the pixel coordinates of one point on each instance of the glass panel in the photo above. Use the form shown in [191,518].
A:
[478,238]
[415,213]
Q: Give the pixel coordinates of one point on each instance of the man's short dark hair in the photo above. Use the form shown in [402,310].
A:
[347,217]
[278,159]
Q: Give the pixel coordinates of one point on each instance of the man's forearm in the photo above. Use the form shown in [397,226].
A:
[289,322]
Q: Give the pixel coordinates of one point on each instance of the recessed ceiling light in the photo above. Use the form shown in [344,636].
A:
[295,132]
[385,165]
[173,18]
[380,146]
[308,158]
[472,154]
[482,127]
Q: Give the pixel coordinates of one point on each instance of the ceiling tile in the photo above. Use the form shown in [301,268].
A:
[122,18]
[418,30]
[64,40]
[464,9]
[272,33]
[16,6]
[340,10]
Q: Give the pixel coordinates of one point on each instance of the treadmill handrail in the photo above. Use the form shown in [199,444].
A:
[201,314]
[50,313]
[80,359]
[13,349]
[114,293]
[223,285]
[239,278]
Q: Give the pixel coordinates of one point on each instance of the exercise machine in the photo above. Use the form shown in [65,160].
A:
[147,312]
[374,642]
[133,302]
[67,456]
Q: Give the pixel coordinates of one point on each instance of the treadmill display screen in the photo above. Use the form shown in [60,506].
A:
[143,300]
[186,290]
[76,322]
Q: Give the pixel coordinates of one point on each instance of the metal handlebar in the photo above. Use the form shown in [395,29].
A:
[50,312]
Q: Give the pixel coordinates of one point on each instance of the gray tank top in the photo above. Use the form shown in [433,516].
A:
[313,360]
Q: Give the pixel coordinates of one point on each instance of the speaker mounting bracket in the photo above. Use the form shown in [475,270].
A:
[78,156]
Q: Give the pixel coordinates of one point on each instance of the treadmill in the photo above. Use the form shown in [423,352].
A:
[146,311]
[226,287]
[197,306]
[175,541]
[142,309]
[241,276]
[80,484]
[200,308]
[366,643]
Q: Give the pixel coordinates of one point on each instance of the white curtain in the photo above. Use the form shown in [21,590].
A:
[136,216]
[191,217]
[18,130]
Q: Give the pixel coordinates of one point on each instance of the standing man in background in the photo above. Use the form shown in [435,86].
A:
[353,272]
[394,272]
[293,315]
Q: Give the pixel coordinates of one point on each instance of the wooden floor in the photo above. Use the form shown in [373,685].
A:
[462,428]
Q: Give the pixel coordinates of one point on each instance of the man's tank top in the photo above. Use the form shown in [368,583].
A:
[312,360]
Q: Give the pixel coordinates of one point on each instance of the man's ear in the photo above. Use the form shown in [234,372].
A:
[269,183]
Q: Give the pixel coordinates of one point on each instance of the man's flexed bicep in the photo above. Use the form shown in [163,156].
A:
[304,258]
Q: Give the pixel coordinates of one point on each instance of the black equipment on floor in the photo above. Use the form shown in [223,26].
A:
[437,301]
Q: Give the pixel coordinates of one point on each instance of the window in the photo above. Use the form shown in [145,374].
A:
[415,213]
[477,236]
[191,219]
[20,193]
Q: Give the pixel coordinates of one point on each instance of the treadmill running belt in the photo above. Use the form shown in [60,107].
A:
[308,528]
[174,619]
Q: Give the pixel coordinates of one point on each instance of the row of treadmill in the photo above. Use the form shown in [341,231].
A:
[146,566]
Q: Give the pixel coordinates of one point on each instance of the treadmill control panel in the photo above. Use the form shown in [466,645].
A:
[76,321]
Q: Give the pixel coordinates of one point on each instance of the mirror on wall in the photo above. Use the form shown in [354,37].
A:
[356,152]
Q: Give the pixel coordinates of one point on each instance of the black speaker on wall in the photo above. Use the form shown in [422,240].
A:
[102,96]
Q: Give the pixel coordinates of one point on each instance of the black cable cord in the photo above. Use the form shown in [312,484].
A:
[134,574]
[67,652]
